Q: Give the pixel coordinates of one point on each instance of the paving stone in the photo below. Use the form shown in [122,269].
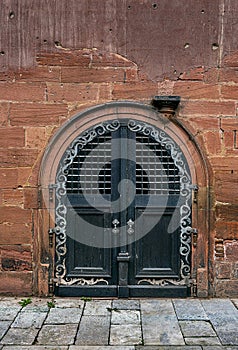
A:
[168,347]
[189,309]
[4,325]
[35,347]
[197,329]
[69,302]
[57,334]
[12,302]
[93,330]
[213,347]
[36,308]
[81,347]
[126,304]
[98,307]
[29,319]
[18,336]
[8,313]
[125,335]
[125,317]
[161,330]
[159,307]
[37,305]
[63,316]
[224,318]
[228,337]
[202,341]
[159,323]
[235,302]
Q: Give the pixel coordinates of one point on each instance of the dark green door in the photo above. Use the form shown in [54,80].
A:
[118,215]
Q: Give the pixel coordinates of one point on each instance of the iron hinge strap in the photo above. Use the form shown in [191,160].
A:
[194,232]
[52,283]
[195,189]
[51,232]
[51,187]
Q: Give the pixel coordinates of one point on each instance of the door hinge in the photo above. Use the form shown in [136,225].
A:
[51,286]
[51,187]
[195,236]
[52,283]
[39,199]
[194,188]
[194,288]
[194,233]
[51,233]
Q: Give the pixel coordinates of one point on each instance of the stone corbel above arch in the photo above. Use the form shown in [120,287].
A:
[166,105]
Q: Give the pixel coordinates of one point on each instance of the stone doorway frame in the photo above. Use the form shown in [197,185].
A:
[161,115]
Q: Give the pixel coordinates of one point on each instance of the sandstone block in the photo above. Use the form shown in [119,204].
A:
[12,137]
[134,90]
[16,258]
[212,142]
[208,108]
[193,74]
[231,250]
[229,92]
[22,91]
[196,90]
[38,74]
[36,114]
[12,197]
[13,158]
[72,92]
[16,283]
[228,75]
[223,270]
[30,198]
[4,107]
[91,75]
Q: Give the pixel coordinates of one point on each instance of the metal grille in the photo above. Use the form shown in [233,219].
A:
[90,171]
[156,172]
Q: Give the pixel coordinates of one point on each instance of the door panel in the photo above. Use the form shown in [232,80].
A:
[156,253]
[87,260]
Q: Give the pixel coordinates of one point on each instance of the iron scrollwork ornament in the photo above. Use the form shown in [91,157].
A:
[61,210]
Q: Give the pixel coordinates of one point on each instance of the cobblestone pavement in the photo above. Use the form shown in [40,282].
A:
[150,324]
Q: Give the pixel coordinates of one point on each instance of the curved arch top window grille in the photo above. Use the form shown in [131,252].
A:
[94,174]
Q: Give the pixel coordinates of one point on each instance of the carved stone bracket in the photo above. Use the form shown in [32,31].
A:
[166,104]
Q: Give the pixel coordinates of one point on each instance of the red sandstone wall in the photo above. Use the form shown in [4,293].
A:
[133,50]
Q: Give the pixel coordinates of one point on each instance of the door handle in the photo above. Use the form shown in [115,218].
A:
[130,223]
[115,229]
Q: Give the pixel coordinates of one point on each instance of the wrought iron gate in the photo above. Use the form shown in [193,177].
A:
[123,214]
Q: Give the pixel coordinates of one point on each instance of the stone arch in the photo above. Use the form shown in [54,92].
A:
[162,120]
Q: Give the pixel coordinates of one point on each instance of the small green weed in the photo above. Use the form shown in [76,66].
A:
[113,309]
[86,298]
[25,302]
[51,304]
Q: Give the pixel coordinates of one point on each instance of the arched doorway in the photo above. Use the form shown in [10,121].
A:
[120,188]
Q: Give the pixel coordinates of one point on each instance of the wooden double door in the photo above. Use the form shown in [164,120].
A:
[118,215]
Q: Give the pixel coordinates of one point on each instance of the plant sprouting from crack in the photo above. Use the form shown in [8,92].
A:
[25,302]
